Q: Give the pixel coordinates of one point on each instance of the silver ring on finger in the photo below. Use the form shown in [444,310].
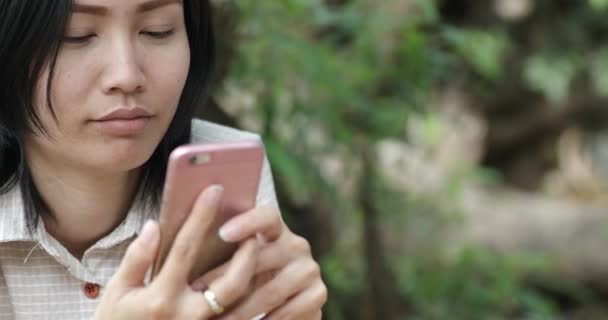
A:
[211,299]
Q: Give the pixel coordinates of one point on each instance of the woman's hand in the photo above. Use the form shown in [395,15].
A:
[295,290]
[169,295]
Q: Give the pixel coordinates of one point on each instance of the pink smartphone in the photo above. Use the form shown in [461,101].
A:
[191,169]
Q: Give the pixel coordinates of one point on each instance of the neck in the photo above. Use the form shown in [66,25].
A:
[84,207]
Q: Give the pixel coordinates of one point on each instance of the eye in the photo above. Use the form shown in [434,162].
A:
[159,34]
[78,40]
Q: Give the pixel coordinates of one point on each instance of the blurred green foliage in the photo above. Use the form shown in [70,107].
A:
[335,77]
[478,285]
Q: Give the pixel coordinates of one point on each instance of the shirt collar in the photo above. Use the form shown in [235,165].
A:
[13,226]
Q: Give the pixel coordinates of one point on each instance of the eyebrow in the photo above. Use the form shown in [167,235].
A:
[155,4]
[142,7]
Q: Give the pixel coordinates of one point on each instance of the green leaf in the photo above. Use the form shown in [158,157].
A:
[598,5]
[286,165]
[598,70]
[551,75]
[484,50]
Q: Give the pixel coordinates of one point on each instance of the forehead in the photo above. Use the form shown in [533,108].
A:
[104,7]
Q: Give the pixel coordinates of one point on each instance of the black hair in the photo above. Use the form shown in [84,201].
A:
[31,33]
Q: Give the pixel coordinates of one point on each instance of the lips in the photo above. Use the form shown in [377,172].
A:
[126,114]
[124,122]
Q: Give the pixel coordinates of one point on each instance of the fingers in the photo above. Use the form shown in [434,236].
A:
[201,283]
[261,220]
[235,283]
[276,255]
[290,281]
[272,256]
[306,305]
[266,225]
[190,238]
[139,257]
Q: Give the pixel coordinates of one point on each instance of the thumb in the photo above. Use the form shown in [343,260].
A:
[139,257]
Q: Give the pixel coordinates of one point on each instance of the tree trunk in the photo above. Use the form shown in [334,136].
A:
[571,233]
[382,300]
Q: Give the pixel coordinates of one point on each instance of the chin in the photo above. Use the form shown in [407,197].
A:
[119,164]
[124,158]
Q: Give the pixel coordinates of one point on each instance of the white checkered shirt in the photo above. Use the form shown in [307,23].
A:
[40,279]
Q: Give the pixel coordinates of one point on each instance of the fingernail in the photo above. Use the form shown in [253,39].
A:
[214,194]
[230,232]
[147,232]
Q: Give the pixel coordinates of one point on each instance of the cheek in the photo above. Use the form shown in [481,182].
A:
[169,75]
[74,79]
[67,87]
[174,79]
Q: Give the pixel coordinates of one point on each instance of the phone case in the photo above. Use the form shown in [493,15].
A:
[191,169]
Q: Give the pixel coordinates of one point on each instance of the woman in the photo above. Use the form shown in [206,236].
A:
[94,94]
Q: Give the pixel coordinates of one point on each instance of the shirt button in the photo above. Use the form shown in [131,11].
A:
[91,290]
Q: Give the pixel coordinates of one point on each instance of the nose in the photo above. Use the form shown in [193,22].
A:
[123,72]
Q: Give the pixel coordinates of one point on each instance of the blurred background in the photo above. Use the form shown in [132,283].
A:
[447,159]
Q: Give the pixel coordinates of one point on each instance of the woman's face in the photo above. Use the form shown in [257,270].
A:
[117,83]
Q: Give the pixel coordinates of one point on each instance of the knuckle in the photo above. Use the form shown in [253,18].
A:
[158,308]
[270,214]
[275,296]
[312,270]
[323,294]
[301,245]
[316,269]
[184,249]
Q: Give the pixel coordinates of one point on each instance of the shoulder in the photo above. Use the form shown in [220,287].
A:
[205,131]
